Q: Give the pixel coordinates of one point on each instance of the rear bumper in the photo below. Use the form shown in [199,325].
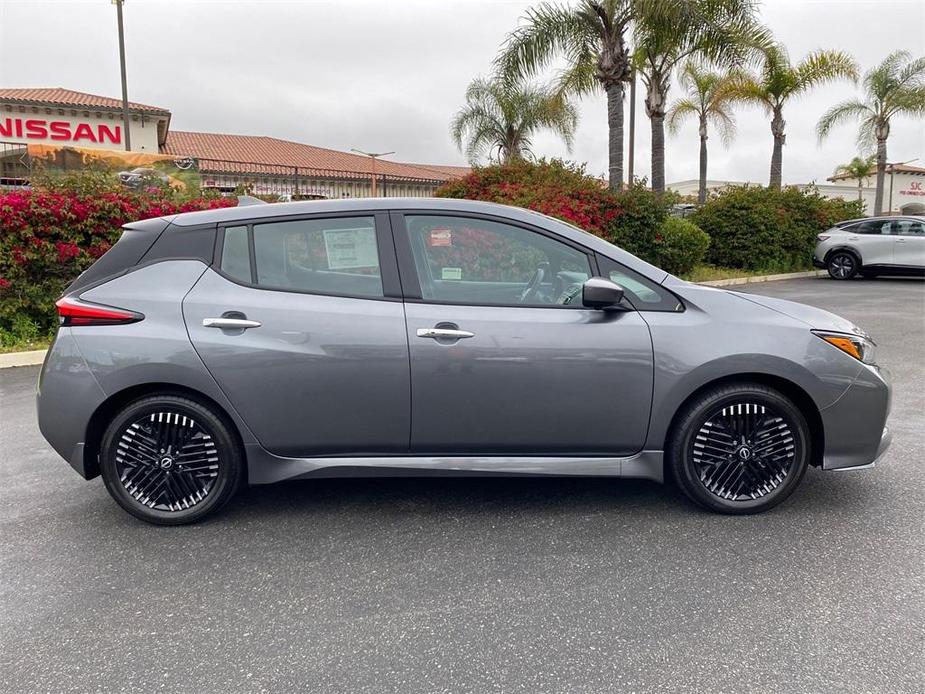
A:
[67,396]
[856,434]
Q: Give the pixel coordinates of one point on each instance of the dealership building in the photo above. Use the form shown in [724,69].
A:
[261,165]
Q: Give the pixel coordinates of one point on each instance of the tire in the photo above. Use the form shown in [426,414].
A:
[842,265]
[739,448]
[170,460]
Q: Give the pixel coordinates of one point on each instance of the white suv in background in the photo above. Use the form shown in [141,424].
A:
[872,246]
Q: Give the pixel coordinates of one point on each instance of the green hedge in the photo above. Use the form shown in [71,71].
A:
[757,228]
[680,246]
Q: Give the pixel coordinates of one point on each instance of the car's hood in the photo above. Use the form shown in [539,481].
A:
[815,318]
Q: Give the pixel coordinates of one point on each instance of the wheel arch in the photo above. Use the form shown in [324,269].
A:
[846,249]
[791,390]
[103,414]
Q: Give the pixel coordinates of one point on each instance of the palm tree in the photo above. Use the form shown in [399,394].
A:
[591,36]
[500,118]
[895,87]
[668,32]
[858,168]
[778,81]
[709,100]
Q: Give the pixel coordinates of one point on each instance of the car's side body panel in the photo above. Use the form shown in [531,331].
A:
[321,375]
[554,381]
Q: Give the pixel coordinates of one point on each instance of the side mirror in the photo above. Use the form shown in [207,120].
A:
[598,292]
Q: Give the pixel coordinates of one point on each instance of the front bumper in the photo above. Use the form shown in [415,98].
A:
[818,263]
[856,434]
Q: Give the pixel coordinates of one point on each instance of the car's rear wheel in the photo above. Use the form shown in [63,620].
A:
[739,448]
[842,265]
[170,460]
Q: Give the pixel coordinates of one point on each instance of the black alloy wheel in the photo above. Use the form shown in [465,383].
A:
[170,460]
[842,265]
[740,449]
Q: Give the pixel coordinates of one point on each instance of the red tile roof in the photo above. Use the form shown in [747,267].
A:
[275,152]
[56,96]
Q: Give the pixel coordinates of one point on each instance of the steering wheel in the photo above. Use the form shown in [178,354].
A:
[530,291]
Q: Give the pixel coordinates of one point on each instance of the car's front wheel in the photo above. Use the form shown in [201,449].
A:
[739,448]
[170,460]
[842,265]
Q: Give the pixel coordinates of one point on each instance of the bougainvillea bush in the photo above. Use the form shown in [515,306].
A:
[552,187]
[630,219]
[49,236]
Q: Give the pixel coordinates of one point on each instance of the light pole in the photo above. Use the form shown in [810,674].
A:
[892,170]
[374,156]
[125,116]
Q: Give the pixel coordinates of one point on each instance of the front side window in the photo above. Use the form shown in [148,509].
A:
[641,292]
[478,261]
[908,227]
[338,256]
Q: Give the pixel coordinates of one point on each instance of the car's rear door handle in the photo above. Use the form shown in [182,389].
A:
[444,333]
[900,240]
[229,323]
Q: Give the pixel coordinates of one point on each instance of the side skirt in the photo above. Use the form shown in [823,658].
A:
[265,468]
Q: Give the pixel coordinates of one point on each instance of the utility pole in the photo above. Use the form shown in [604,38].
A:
[125,116]
[632,143]
[374,156]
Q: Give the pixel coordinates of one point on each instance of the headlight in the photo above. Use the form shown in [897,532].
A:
[858,347]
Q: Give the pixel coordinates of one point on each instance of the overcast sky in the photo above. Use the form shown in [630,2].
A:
[388,75]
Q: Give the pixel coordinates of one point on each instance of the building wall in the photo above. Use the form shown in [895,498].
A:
[79,128]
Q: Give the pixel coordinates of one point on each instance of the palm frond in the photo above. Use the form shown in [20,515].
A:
[680,111]
[849,110]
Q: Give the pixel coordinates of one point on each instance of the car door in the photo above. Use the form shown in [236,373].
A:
[909,243]
[301,323]
[504,359]
[874,240]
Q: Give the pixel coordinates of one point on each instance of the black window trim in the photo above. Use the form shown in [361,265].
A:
[388,266]
[408,270]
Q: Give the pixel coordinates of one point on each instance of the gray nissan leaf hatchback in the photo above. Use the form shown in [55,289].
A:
[262,343]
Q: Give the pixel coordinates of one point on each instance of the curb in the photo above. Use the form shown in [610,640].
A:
[32,358]
[733,281]
[37,356]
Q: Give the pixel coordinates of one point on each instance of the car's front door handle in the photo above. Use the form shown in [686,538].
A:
[900,240]
[229,323]
[444,333]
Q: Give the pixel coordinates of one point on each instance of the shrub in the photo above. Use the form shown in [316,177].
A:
[554,187]
[680,246]
[757,228]
[642,214]
[49,236]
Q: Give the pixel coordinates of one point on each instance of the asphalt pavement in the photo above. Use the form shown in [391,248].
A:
[479,585]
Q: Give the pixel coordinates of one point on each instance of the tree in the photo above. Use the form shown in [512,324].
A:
[668,32]
[591,36]
[500,119]
[895,87]
[778,81]
[858,168]
[709,101]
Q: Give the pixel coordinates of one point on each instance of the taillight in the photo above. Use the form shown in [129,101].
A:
[823,237]
[73,311]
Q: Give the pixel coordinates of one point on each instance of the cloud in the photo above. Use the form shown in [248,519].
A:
[389,76]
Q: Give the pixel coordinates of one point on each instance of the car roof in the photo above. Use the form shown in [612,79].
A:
[254,213]
[914,217]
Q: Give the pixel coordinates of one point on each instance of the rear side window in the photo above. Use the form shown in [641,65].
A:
[873,227]
[236,257]
[338,256]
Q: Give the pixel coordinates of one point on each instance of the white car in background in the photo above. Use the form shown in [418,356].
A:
[872,246]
